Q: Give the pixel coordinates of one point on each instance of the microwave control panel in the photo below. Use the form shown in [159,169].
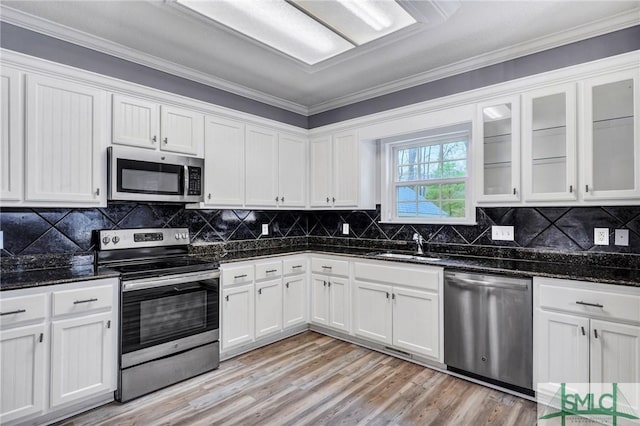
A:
[195,181]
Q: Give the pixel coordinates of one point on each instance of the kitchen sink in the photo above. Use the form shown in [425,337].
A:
[402,256]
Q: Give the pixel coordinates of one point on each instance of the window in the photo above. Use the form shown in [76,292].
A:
[428,178]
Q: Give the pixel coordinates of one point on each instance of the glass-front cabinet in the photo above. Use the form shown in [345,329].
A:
[549,144]
[611,162]
[498,154]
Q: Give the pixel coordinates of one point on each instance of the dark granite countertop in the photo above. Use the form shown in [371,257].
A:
[523,268]
[50,276]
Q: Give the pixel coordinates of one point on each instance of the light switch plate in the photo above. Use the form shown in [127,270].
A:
[502,233]
[601,236]
[345,229]
[621,237]
[265,229]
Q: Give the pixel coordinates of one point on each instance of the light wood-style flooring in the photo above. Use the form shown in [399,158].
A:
[311,379]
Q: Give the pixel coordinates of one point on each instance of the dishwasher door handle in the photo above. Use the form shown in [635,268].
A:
[468,282]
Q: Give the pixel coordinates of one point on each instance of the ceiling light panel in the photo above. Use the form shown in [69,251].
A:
[275,23]
[361,21]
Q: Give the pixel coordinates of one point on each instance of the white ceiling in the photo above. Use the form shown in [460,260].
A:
[479,33]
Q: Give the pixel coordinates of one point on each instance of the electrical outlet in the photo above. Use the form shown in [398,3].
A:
[345,229]
[601,236]
[502,233]
[621,237]
[265,229]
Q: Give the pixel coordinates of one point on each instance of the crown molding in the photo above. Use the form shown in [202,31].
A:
[62,32]
[582,32]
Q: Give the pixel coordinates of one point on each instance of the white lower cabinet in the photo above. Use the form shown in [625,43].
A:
[268,307]
[237,316]
[58,348]
[22,371]
[399,316]
[586,333]
[294,297]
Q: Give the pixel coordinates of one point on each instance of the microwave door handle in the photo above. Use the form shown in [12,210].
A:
[185,191]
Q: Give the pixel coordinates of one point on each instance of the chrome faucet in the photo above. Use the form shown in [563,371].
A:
[419,240]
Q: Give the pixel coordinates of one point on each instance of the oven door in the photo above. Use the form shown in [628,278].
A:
[165,315]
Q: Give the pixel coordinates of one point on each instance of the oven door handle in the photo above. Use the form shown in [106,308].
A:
[153,282]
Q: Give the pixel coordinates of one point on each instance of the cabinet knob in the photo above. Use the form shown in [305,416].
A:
[514,191]
[209,196]
[277,199]
[41,337]
[328,199]
[595,333]
[334,199]
[259,291]
[226,298]
[583,332]
[154,139]
[387,294]
[282,199]
[287,285]
[109,324]
[165,140]
[570,189]
[97,192]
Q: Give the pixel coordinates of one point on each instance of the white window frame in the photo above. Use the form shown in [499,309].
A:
[389,170]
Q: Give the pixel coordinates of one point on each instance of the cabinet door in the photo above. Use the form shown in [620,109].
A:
[615,352]
[295,300]
[320,172]
[22,372]
[65,142]
[346,169]
[498,151]
[81,358]
[372,316]
[136,122]
[261,167]
[268,307]
[611,162]
[549,144]
[339,309]
[319,299]
[11,142]
[416,325]
[292,171]
[237,316]
[224,162]
[561,348]
[181,130]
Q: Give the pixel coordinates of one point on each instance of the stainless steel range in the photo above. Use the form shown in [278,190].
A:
[169,308]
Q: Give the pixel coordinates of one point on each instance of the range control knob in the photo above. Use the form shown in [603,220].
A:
[115,240]
[106,239]
[177,236]
[185,236]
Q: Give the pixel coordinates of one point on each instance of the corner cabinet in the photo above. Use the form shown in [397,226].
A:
[497,166]
[342,172]
[65,143]
[585,333]
[147,124]
[611,134]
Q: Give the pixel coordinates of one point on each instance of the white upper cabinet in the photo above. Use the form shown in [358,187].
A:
[611,154]
[65,143]
[342,172]
[147,124]
[261,167]
[292,171]
[498,150]
[549,144]
[224,162]
[320,172]
[11,135]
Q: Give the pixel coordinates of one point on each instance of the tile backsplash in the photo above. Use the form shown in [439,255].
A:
[37,231]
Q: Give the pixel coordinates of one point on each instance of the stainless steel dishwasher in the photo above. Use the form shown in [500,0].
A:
[488,328]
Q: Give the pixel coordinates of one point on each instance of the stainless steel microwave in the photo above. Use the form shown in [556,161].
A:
[138,175]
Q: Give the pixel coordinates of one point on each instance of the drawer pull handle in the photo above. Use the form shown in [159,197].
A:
[296,267]
[595,305]
[595,333]
[235,277]
[326,267]
[41,337]
[93,299]
[18,311]
[583,333]
[271,271]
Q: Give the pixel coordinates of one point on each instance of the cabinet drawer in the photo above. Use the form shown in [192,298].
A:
[268,270]
[596,303]
[20,309]
[330,266]
[82,300]
[237,275]
[296,265]
[422,277]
